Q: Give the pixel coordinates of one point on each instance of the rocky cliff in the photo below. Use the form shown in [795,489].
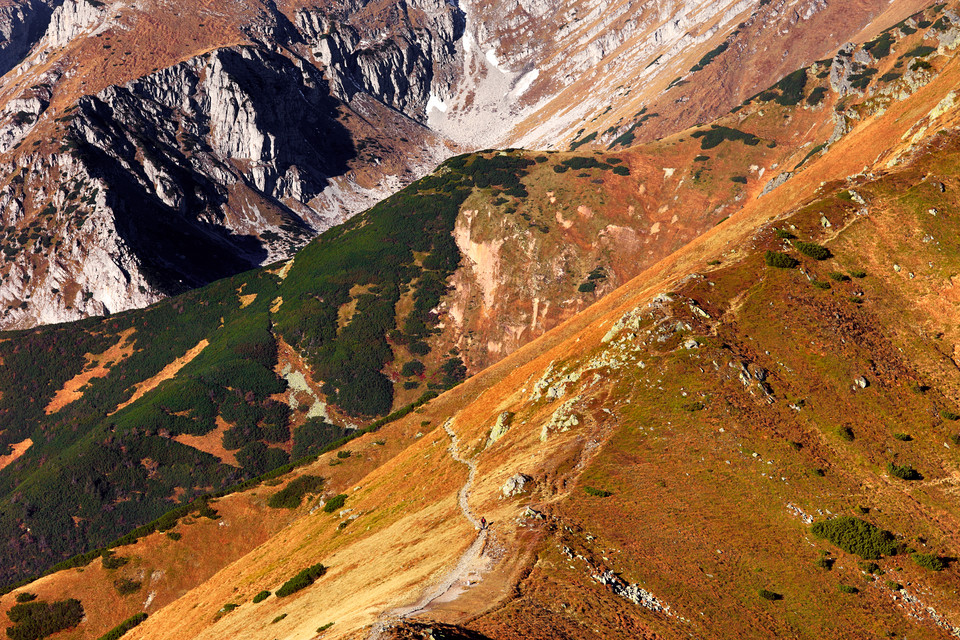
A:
[217,141]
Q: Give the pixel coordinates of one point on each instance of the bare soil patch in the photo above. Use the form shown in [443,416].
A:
[165,374]
[98,366]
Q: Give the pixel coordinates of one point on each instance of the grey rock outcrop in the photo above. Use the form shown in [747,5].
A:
[515,485]
[22,24]
[399,68]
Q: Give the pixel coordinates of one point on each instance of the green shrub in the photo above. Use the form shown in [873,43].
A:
[949,415]
[845,588]
[587,287]
[25,596]
[111,561]
[173,535]
[893,584]
[124,626]
[292,495]
[780,260]
[701,158]
[857,537]
[314,436]
[769,595]
[126,586]
[839,277]
[857,273]
[709,57]
[929,561]
[302,580]
[846,433]
[739,179]
[418,348]
[39,619]
[224,610]
[880,47]
[920,51]
[278,618]
[783,234]
[716,135]
[812,249]
[820,284]
[334,503]
[585,140]
[600,493]
[903,471]
[869,567]
[903,437]
[453,371]
[412,368]
[621,170]
[260,597]
[816,96]
[824,563]
[324,627]
[344,454]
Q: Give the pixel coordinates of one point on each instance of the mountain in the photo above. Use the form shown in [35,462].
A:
[734,412]
[147,149]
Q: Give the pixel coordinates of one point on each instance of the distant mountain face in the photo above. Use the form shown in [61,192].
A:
[149,149]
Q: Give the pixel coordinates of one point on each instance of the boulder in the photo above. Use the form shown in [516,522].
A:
[516,484]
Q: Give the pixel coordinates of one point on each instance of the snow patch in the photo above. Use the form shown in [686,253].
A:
[436,103]
[525,81]
[492,58]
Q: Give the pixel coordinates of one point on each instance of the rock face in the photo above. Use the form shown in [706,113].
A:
[22,24]
[223,162]
[515,485]
[270,123]
[400,70]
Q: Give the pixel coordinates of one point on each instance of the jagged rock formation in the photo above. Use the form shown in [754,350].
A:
[22,24]
[240,135]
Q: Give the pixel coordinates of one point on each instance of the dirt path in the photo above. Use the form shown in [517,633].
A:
[470,565]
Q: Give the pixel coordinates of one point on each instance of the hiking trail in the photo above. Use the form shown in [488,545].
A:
[469,563]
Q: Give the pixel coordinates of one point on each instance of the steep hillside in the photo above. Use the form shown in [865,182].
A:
[150,148]
[683,438]
[680,445]
[756,436]
[145,410]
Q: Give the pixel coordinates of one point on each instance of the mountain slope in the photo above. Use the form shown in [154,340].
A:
[679,437]
[251,372]
[169,147]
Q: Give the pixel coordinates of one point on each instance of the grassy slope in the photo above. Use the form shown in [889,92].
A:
[830,166]
[662,528]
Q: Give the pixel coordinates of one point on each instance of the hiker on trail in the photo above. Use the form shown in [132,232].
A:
[483,523]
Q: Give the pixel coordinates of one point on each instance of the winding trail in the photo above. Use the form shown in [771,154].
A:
[467,562]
